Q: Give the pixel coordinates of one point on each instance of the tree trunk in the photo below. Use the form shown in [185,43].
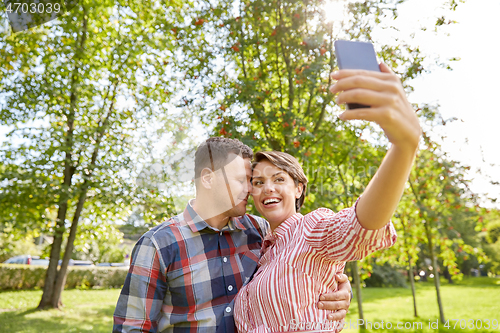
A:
[55,252]
[410,267]
[357,282]
[436,273]
[61,277]
[431,251]
[412,283]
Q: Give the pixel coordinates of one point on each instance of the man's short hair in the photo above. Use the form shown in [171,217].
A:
[214,154]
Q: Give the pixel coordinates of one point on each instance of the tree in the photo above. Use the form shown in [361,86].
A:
[99,242]
[441,194]
[14,243]
[78,88]
[75,89]
[489,228]
[262,70]
[406,252]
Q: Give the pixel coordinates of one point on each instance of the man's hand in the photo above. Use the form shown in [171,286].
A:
[337,301]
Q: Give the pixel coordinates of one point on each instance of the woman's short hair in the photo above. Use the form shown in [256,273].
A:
[287,163]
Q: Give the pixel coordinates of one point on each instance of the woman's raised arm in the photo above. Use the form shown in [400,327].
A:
[391,110]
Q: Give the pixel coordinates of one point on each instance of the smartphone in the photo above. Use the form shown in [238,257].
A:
[356,55]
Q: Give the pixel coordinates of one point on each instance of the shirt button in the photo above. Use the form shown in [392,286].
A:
[224,259]
[230,288]
[228,309]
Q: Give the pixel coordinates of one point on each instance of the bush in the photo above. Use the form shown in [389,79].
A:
[385,276]
[29,277]
[12,245]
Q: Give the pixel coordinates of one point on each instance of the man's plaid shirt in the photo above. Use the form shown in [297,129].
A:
[184,275]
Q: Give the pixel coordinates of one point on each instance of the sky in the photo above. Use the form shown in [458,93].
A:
[468,91]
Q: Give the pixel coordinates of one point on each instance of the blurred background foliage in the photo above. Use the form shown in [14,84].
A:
[112,91]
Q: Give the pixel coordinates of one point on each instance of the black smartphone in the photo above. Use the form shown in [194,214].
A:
[356,55]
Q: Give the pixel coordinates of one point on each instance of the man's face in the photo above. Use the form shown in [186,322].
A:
[232,186]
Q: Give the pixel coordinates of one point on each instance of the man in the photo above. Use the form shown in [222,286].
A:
[185,273]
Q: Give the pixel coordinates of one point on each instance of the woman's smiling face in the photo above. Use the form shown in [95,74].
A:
[274,193]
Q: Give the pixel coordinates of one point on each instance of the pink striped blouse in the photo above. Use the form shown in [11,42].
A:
[299,261]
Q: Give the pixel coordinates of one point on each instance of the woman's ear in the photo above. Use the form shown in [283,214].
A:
[299,190]
[207,178]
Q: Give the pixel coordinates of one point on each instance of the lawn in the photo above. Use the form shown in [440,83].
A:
[472,298]
[92,310]
[84,311]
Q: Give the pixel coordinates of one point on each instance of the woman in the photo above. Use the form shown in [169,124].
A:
[303,253]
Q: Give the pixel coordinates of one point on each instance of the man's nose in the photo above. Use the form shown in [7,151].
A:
[247,188]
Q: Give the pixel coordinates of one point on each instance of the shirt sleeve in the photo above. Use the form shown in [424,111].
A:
[342,237]
[140,302]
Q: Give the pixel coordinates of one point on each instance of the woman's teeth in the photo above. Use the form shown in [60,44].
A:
[269,201]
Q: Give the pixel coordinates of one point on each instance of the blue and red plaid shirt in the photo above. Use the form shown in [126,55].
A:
[184,275]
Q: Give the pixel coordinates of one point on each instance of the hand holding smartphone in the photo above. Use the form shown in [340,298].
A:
[356,55]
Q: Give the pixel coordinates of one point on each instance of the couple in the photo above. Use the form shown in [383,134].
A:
[213,266]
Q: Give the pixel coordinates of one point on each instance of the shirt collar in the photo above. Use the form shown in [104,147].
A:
[284,231]
[196,223]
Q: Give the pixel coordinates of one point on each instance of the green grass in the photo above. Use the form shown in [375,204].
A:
[83,311]
[92,310]
[472,298]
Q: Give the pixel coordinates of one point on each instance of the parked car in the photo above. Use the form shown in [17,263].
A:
[27,260]
[35,260]
[80,263]
[112,264]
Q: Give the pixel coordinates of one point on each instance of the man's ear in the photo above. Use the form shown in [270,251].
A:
[207,178]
